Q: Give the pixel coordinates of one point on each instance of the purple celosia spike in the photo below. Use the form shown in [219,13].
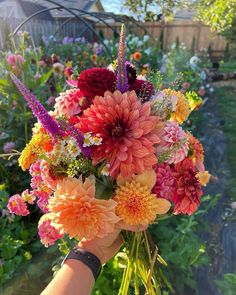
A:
[37,109]
[122,78]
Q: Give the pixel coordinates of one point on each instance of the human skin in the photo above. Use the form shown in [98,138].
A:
[74,277]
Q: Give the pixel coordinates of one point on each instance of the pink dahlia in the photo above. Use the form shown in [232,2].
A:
[174,145]
[96,81]
[69,103]
[16,205]
[188,189]
[165,182]
[127,129]
[47,232]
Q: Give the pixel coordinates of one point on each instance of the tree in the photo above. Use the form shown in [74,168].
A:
[152,10]
[218,14]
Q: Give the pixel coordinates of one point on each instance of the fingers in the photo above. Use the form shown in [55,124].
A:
[135,228]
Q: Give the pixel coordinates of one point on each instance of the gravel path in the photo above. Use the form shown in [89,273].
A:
[221,238]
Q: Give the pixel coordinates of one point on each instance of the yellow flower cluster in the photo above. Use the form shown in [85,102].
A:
[182,109]
[39,143]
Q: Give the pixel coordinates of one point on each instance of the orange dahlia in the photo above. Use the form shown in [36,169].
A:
[77,212]
[135,202]
[127,129]
[196,152]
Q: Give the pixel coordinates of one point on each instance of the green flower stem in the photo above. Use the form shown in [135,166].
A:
[129,270]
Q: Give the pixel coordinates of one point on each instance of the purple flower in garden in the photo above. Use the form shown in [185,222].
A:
[38,110]
[99,49]
[122,79]
[8,147]
[80,40]
[67,40]
[45,40]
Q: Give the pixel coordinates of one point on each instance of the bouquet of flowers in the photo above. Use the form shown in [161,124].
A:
[112,150]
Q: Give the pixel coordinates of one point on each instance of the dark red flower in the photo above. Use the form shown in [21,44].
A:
[131,72]
[96,81]
[188,189]
[144,89]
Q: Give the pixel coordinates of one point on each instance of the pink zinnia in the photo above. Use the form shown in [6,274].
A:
[128,132]
[69,103]
[188,189]
[16,205]
[165,182]
[47,232]
[174,145]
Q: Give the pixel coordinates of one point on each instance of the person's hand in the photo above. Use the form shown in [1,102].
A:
[107,247]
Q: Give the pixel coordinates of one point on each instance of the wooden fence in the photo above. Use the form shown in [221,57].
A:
[193,34]
[37,28]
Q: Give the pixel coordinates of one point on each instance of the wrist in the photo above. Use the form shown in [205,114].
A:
[92,248]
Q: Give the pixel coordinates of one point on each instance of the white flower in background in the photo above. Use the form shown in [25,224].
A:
[211,89]
[146,38]
[194,61]
[148,51]
[203,75]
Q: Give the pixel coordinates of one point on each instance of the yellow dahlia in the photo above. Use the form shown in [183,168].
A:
[181,110]
[77,212]
[135,202]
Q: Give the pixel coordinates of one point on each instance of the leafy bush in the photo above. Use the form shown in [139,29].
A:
[227,284]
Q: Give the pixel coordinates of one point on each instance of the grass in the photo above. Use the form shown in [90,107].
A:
[226,100]
[228,67]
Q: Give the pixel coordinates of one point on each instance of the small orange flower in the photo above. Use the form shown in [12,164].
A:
[137,56]
[203,177]
[94,58]
[196,152]
[135,202]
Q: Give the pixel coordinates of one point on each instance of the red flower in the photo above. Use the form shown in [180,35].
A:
[128,132]
[68,72]
[188,189]
[96,81]
[144,89]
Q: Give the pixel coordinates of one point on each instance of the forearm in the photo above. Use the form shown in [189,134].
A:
[74,278]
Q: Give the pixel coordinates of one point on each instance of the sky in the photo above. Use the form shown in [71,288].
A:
[113,6]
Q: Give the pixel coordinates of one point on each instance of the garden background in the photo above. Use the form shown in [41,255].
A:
[190,50]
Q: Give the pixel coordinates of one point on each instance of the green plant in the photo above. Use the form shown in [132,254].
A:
[227,284]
